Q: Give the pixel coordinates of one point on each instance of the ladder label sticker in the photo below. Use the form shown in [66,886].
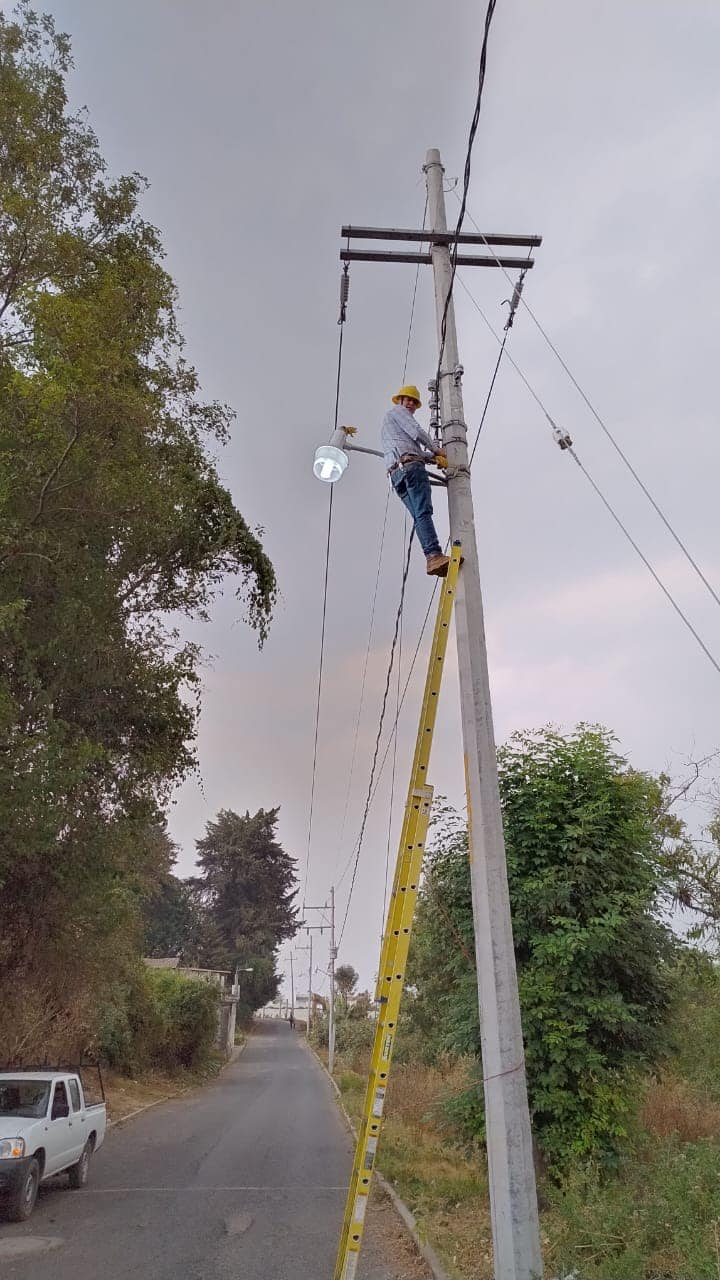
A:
[379,1102]
[351,1266]
[360,1209]
[387,1046]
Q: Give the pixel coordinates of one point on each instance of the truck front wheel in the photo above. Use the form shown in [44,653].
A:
[22,1201]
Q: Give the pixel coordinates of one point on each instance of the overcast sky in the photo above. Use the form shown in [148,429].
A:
[264,127]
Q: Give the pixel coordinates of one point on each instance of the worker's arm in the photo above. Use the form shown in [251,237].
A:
[427,441]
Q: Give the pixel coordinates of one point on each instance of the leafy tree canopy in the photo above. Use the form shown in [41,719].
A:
[589,870]
[112,519]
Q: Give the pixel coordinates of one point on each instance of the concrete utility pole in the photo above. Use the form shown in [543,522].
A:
[513,1197]
[309,1017]
[292,988]
[333,957]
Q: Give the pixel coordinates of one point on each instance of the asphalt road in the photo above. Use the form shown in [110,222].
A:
[242,1180]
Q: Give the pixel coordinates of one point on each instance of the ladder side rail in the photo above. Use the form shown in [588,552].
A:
[396,938]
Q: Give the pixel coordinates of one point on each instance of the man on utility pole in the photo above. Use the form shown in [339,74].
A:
[513,1197]
[406,449]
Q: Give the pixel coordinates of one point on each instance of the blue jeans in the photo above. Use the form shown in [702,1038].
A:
[412,485]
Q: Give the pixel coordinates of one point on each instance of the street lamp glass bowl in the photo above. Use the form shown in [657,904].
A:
[329,463]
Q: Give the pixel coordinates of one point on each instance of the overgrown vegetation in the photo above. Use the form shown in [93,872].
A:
[654,1214]
[621,1017]
[160,1019]
[112,519]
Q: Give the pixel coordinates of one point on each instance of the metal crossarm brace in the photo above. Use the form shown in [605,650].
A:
[396,940]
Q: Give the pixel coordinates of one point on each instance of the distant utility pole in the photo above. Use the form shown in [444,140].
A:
[333,958]
[513,1196]
[320,928]
[309,1017]
[292,989]
[308,948]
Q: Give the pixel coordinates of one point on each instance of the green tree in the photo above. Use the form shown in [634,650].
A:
[112,519]
[346,981]
[177,923]
[247,885]
[587,870]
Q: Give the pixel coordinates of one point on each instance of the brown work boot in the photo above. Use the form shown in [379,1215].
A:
[438,565]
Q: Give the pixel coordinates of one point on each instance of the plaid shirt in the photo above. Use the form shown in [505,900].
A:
[402,434]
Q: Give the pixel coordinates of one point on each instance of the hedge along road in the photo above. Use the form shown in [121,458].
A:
[242,1180]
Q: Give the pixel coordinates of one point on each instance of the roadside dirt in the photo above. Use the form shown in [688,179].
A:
[123,1096]
[388,1252]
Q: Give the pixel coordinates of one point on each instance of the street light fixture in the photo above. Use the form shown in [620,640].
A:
[331,459]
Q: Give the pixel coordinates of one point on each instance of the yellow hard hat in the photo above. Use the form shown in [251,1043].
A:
[411,392]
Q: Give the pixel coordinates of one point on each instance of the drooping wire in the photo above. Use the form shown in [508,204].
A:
[569,449]
[398,628]
[344,288]
[666,592]
[395,743]
[514,301]
[466,182]
[608,433]
[414,296]
[373,766]
[319,694]
[348,789]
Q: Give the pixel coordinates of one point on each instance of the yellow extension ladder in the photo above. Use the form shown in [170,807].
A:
[396,940]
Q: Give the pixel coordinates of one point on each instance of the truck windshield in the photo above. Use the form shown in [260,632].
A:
[27,1098]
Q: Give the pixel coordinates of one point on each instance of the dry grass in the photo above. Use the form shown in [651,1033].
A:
[416,1093]
[124,1096]
[657,1217]
[673,1107]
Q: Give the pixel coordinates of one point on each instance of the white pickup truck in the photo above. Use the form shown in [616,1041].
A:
[46,1127]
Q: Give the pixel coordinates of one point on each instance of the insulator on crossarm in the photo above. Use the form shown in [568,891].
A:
[515,301]
[344,293]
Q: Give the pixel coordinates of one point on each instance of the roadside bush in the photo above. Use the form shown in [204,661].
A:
[353,1039]
[160,1019]
[188,1011]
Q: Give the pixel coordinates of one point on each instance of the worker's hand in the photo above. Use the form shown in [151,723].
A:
[350,431]
[441,460]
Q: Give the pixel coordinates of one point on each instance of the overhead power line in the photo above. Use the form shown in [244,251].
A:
[348,789]
[319,695]
[368,799]
[564,441]
[604,427]
[466,182]
[412,304]
[344,290]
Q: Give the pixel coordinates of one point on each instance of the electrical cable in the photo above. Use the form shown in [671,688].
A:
[319,695]
[604,427]
[377,742]
[398,627]
[364,676]
[645,561]
[569,449]
[377,576]
[414,296]
[491,388]
[394,763]
[466,182]
[341,322]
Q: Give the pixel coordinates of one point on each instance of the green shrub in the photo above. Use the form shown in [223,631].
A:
[160,1019]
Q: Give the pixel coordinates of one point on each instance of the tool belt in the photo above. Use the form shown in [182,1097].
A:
[405,460]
